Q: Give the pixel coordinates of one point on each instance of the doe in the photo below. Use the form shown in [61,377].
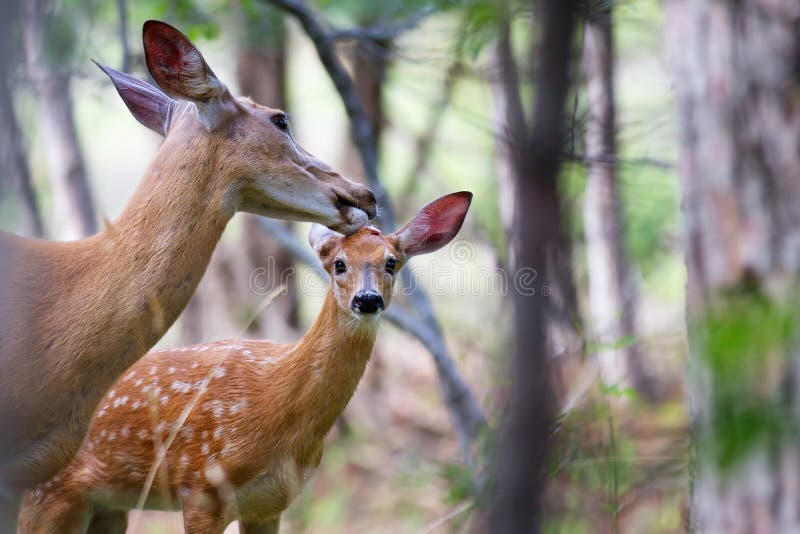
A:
[257,434]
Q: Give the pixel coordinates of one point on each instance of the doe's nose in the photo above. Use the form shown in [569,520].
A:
[367,302]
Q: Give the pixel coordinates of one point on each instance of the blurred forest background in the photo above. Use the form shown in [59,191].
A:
[446,87]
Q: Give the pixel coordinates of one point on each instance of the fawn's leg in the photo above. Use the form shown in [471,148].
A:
[203,513]
[57,513]
[105,522]
[267,527]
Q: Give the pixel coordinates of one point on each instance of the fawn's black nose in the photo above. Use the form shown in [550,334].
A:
[367,302]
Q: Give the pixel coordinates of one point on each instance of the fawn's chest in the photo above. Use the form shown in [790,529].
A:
[273,490]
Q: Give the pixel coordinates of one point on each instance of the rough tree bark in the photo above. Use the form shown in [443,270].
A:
[611,292]
[72,198]
[738,101]
[535,154]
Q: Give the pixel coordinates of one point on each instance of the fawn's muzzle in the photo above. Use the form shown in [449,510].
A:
[367,302]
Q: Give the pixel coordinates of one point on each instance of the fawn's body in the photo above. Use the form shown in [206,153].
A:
[74,316]
[256,435]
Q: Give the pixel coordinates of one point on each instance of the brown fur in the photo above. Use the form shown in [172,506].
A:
[257,433]
[74,316]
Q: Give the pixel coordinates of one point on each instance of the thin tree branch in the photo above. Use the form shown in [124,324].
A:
[382,33]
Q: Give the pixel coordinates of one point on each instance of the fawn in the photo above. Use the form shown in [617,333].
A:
[256,435]
[75,315]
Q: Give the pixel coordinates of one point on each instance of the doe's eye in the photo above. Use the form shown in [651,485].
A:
[391,265]
[280,121]
[339,267]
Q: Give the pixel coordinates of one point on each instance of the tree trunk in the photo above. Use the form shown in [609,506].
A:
[14,161]
[611,292]
[13,156]
[535,153]
[72,198]
[369,74]
[738,99]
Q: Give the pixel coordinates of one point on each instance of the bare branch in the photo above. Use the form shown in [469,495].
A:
[382,33]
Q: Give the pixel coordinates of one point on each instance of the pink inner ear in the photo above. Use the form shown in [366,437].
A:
[436,224]
[176,65]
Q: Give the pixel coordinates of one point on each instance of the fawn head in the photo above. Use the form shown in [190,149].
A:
[363,266]
[262,169]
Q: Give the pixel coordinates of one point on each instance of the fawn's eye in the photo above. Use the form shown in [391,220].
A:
[281,121]
[391,265]
[339,267]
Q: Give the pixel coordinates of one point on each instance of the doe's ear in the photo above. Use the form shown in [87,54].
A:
[148,104]
[319,236]
[178,67]
[435,225]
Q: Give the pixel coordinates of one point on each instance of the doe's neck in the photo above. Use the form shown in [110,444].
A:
[163,240]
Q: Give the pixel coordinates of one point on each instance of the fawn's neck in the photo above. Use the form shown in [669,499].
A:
[327,364]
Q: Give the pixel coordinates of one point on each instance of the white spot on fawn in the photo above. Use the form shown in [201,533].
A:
[218,433]
[205,449]
[112,393]
[181,387]
[171,370]
[204,434]
[164,400]
[239,406]
[153,370]
[138,382]
[130,375]
[220,372]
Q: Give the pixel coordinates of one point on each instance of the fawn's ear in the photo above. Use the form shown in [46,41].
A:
[148,104]
[435,225]
[179,68]
[320,237]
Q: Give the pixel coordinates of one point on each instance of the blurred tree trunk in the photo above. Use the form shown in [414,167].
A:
[14,161]
[370,63]
[735,67]
[512,125]
[539,242]
[369,74]
[13,155]
[611,292]
[72,198]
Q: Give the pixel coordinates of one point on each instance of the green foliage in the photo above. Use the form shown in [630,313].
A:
[746,340]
